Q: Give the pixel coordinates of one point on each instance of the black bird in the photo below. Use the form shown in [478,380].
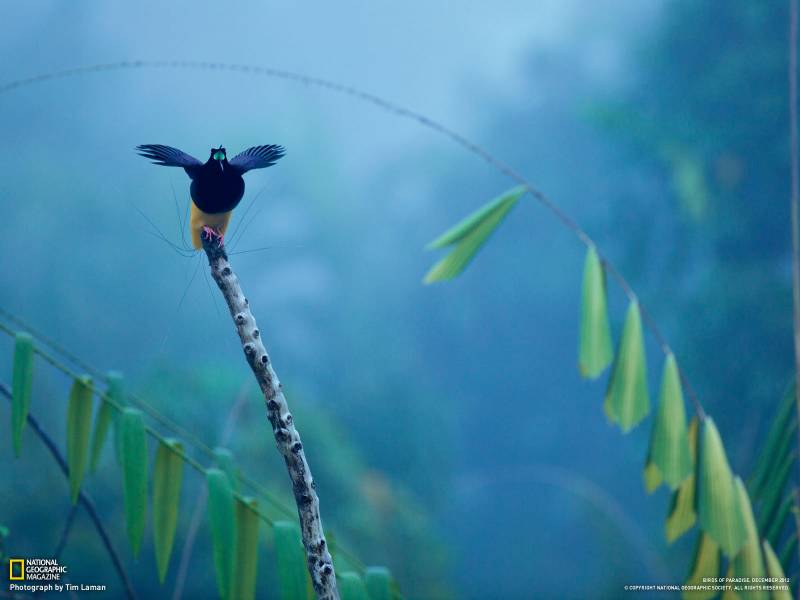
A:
[217,186]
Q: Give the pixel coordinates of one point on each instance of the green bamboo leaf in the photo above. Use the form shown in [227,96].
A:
[351,586]
[774,570]
[292,571]
[246,569]
[787,552]
[781,435]
[21,384]
[717,501]
[79,428]
[469,236]
[652,476]
[167,478]
[669,442]
[116,391]
[748,561]
[134,474]
[596,348]
[225,463]
[773,490]
[627,399]
[223,528]
[379,583]
[777,524]
[466,226]
[681,516]
[705,564]
[105,414]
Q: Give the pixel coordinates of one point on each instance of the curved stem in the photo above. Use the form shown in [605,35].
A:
[400,111]
[83,498]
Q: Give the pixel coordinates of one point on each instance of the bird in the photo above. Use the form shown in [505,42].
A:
[217,185]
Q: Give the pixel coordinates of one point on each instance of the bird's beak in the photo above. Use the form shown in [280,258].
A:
[222,166]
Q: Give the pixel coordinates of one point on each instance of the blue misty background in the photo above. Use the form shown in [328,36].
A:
[450,433]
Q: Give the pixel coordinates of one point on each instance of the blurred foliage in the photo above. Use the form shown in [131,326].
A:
[707,113]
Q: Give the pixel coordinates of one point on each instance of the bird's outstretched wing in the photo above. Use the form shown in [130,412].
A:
[169,157]
[257,157]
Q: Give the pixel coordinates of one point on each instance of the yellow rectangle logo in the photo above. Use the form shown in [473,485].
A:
[21,575]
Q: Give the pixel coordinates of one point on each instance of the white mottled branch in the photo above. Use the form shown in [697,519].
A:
[287,438]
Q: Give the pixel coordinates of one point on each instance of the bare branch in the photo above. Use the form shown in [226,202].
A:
[287,438]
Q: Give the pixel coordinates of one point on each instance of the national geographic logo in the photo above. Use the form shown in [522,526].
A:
[35,569]
[16,569]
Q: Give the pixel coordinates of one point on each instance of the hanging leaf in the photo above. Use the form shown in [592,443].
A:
[469,235]
[627,400]
[293,577]
[775,571]
[224,461]
[779,439]
[105,415]
[652,476]
[379,583]
[246,569]
[717,500]
[116,391]
[101,424]
[351,587]
[748,561]
[669,442]
[134,474]
[79,427]
[596,349]
[705,564]
[21,384]
[223,528]
[167,477]
[681,514]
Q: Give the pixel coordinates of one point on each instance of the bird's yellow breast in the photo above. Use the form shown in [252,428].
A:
[199,219]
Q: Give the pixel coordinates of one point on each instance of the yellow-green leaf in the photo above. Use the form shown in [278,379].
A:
[775,571]
[669,442]
[134,475]
[652,476]
[379,583]
[469,235]
[717,500]
[105,414]
[596,349]
[223,528]
[246,569]
[748,561]
[681,514]
[627,398]
[466,226]
[79,428]
[21,383]
[351,586]
[293,577]
[116,391]
[224,461]
[167,478]
[705,564]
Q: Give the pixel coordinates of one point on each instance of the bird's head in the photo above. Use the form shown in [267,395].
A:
[219,156]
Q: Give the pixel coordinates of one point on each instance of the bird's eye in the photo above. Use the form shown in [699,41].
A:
[219,156]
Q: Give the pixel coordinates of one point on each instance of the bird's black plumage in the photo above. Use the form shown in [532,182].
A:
[217,185]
